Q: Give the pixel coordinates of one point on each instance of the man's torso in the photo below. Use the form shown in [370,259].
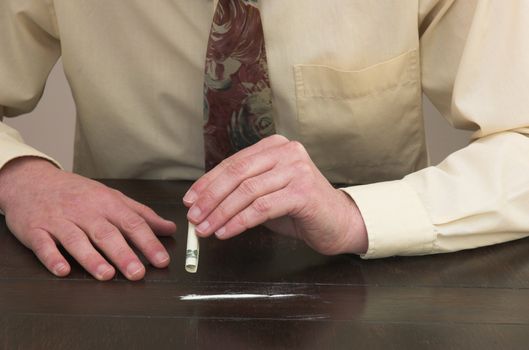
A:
[345,78]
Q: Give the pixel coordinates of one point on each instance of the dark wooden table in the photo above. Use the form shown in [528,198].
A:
[473,300]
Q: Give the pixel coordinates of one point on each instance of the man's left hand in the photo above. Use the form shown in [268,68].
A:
[275,183]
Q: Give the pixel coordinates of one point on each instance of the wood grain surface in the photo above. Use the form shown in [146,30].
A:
[475,299]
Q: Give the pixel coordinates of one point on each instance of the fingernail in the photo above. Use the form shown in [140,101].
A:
[221,232]
[134,268]
[202,227]
[161,257]
[59,268]
[103,271]
[190,196]
[194,213]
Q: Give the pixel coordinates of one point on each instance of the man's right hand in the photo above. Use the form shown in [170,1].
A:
[45,206]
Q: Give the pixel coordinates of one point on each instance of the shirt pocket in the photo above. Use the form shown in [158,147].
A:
[362,126]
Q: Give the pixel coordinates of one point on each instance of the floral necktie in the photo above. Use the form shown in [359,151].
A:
[237,93]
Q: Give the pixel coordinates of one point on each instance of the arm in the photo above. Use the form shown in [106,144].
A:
[474,65]
[30,48]
[474,69]
[45,206]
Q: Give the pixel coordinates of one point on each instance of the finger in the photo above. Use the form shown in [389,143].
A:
[192,194]
[47,252]
[247,192]
[226,182]
[268,207]
[159,225]
[109,239]
[237,172]
[75,241]
[135,227]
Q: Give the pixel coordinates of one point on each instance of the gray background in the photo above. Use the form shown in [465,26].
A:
[50,127]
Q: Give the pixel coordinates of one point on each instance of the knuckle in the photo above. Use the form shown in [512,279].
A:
[104,232]
[238,168]
[132,221]
[220,213]
[224,163]
[110,205]
[262,206]
[122,253]
[108,195]
[222,166]
[39,243]
[249,187]
[72,239]
[208,195]
[206,199]
[103,193]
[303,168]
[115,192]
[199,185]
[90,258]
[241,220]
[146,210]
[276,138]
[151,244]
[35,224]
[297,147]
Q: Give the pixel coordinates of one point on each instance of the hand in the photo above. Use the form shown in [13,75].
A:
[275,182]
[45,206]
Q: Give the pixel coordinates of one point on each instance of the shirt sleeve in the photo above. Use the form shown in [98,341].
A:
[475,70]
[29,47]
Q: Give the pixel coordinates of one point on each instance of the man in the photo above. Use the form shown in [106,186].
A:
[346,79]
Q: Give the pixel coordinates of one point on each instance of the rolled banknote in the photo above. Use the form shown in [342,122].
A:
[192,249]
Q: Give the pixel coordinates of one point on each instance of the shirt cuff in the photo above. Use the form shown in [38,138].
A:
[12,148]
[396,221]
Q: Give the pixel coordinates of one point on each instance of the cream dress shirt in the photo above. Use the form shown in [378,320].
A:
[347,78]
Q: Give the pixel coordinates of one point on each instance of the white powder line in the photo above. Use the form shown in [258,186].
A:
[239,296]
